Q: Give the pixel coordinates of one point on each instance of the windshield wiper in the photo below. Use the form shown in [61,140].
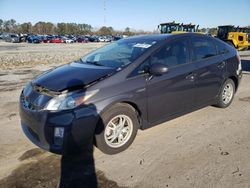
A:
[94,62]
[90,62]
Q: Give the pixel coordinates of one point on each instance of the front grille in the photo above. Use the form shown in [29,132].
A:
[34,100]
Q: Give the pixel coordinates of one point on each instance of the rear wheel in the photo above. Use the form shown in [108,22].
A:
[117,129]
[226,94]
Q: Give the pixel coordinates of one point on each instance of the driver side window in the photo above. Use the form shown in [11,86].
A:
[172,54]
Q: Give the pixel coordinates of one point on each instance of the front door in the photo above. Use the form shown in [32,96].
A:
[172,92]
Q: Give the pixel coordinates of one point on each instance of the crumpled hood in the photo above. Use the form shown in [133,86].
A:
[70,76]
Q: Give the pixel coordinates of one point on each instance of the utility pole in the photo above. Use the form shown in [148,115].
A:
[104,12]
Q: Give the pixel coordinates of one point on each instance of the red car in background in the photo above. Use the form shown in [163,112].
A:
[57,40]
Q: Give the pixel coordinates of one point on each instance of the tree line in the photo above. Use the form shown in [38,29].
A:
[61,28]
[71,28]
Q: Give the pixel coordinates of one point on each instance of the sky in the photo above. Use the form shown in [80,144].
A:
[136,14]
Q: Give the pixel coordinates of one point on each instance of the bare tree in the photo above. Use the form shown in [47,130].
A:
[25,27]
[106,31]
[1,25]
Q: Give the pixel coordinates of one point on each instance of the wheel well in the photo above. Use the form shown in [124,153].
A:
[132,105]
[135,107]
[235,82]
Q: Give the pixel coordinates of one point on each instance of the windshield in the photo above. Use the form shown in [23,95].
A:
[118,54]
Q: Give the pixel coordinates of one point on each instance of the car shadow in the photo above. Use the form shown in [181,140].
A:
[78,168]
[245,65]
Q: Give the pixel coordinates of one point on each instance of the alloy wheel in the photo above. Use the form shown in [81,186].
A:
[118,131]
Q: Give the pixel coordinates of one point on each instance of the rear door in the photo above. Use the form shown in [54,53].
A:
[210,69]
[172,92]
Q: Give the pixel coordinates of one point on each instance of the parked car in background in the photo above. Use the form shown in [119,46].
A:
[72,37]
[102,39]
[47,38]
[133,83]
[82,39]
[115,38]
[109,38]
[105,38]
[12,38]
[23,37]
[57,40]
[67,40]
[34,39]
[92,38]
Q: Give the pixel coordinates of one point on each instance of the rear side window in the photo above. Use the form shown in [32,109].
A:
[203,48]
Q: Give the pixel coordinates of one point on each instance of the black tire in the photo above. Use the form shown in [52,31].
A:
[221,102]
[106,117]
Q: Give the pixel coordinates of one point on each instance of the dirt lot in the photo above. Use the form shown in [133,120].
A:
[206,148]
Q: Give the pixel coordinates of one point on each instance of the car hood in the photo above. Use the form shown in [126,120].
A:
[71,76]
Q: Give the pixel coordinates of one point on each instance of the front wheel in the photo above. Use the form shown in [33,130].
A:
[117,129]
[226,95]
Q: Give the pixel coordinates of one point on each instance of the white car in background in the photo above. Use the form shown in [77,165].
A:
[105,39]
[67,40]
[102,39]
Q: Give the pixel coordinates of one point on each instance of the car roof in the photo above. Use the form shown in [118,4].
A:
[160,37]
[149,37]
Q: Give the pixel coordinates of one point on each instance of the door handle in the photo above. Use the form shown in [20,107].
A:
[191,77]
[221,65]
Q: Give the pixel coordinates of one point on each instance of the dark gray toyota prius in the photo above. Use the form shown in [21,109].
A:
[134,83]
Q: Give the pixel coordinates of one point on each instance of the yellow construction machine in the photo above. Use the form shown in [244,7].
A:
[169,27]
[235,36]
[172,27]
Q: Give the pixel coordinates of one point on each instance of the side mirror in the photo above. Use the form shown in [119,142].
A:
[158,69]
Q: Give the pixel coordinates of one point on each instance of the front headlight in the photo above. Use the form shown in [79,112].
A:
[69,100]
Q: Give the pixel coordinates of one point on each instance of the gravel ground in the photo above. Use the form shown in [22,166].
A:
[206,148]
[25,54]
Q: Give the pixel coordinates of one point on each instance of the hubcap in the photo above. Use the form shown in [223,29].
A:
[118,131]
[227,93]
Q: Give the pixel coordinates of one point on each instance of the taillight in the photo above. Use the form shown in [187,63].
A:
[239,65]
[238,57]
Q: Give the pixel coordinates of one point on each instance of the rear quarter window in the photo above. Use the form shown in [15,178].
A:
[221,46]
